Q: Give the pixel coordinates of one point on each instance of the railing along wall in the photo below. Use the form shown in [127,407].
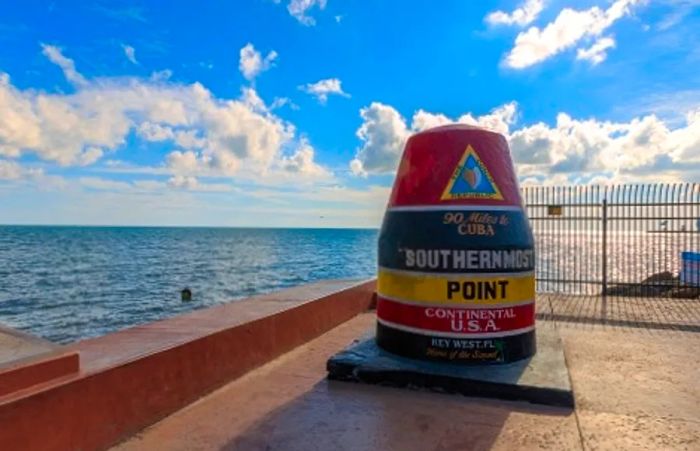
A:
[616,240]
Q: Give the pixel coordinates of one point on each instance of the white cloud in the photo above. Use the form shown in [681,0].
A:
[154,132]
[98,183]
[570,26]
[384,132]
[177,182]
[9,170]
[596,53]
[12,170]
[216,137]
[68,129]
[323,88]
[67,65]
[499,119]
[679,10]
[251,99]
[89,156]
[183,162]
[298,9]
[189,162]
[161,75]
[302,162]
[349,206]
[189,139]
[645,148]
[279,102]
[155,202]
[251,62]
[147,185]
[526,13]
[130,53]
[183,181]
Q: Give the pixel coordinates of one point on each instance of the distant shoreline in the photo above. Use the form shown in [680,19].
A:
[673,231]
[102,226]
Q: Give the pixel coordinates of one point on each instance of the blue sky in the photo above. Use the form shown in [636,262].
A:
[294,112]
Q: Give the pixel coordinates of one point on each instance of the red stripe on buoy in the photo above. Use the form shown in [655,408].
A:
[457,320]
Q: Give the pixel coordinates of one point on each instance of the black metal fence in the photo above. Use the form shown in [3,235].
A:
[617,240]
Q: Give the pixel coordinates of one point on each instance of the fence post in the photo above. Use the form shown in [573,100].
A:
[605,247]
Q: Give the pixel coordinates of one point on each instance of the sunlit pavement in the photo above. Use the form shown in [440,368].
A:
[636,387]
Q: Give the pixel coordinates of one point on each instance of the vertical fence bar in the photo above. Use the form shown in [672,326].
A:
[595,230]
[564,219]
[604,246]
[653,213]
[577,253]
[668,213]
[549,195]
[639,217]
[674,227]
[580,224]
[670,226]
[631,242]
[544,235]
[596,213]
[555,229]
[693,224]
[688,224]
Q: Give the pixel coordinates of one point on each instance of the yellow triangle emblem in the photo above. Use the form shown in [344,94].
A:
[471,180]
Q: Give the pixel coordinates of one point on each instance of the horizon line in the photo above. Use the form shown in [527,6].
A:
[171,226]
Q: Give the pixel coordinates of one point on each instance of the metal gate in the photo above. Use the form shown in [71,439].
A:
[624,240]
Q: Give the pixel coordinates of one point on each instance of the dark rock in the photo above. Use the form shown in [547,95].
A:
[665,277]
[637,290]
[657,285]
[684,293]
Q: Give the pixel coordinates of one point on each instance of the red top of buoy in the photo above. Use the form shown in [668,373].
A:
[455,165]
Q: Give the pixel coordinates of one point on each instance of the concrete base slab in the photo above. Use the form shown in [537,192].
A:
[542,379]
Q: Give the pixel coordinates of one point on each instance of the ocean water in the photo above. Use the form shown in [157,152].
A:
[68,283]
[572,261]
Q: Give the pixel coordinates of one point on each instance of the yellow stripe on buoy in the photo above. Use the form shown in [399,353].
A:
[475,289]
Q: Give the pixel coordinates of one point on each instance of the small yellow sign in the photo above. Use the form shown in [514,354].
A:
[555,210]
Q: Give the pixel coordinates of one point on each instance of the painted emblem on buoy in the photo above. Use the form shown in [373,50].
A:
[472,176]
[471,180]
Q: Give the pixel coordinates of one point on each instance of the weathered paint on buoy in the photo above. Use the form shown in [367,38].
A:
[456,256]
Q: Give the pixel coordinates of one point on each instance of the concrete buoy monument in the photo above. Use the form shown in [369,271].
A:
[456,259]
[456,281]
